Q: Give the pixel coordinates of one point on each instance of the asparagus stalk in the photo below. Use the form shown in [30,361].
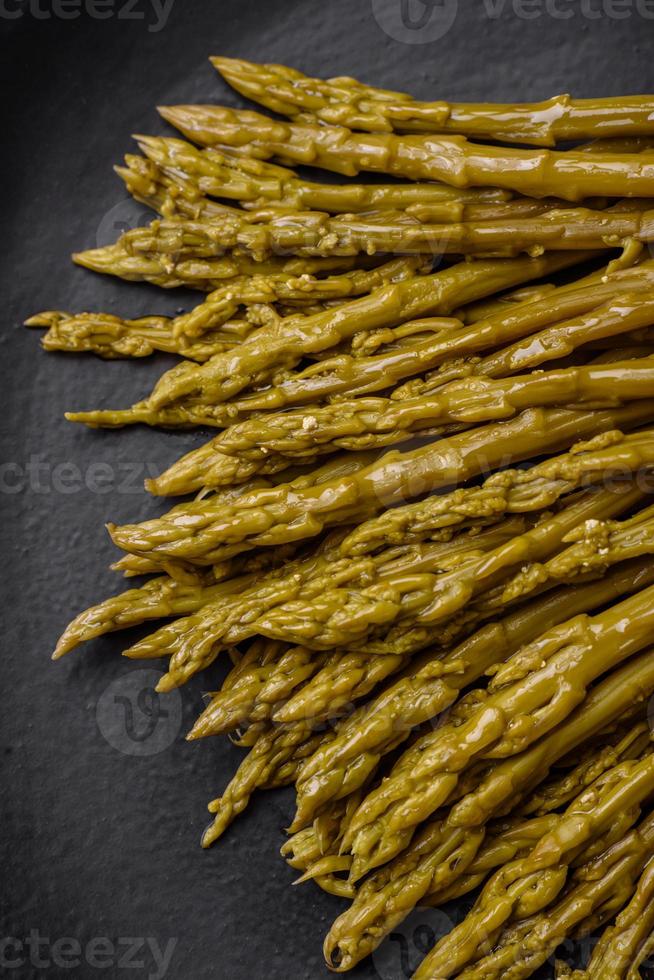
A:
[113,337]
[570,175]
[216,464]
[197,273]
[283,345]
[434,683]
[206,330]
[253,183]
[275,760]
[626,741]
[594,547]
[194,642]
[347,102]
[309,234]
[257,690]
[160,597]
[508,839]
[203,533]
[605,883]
[407,592]
[624,945]
[588,462]
[367,423]
[438,585]
[430,343]
[527,886]
[444,848]
[510,719]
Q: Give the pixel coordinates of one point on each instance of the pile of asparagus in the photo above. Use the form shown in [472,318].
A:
[449,655]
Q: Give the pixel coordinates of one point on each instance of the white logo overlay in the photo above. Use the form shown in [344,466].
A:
[134,719]
[415,21]
[123,216]
[399,956]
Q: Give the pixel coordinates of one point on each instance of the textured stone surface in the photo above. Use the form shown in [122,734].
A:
[101,824]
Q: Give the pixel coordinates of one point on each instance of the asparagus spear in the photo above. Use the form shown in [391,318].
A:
[436,586]
[314,851]
[371,422]
[594,547]
[309,234]
[275,760]
[162,596]
[511,718]
[513,837]
[378,727]
[136,605]
[434,341]
[194,642]
[625,742]
[405,592]
[257,691]
[253,182]
[202,533]
[210,465]
[587,462]
[527,886]
[605,883]
[347,102]
[536,173]
[624,945]
[282,346]
[112,336]
[443,849]
[203,274]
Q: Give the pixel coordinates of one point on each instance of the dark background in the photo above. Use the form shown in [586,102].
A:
[98,841]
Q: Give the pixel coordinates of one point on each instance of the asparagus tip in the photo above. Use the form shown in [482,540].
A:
[166,112]
[38,320]
[228,65]
[166,684]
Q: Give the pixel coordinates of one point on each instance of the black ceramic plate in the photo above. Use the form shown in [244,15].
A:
[103,801]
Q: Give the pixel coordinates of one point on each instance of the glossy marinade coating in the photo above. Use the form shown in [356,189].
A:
[406,592]
[211,327]
[570,175]
[367,423]
[507,721]
[429,688]
[348,102]
[389,895]
[596,890]
[625,945]
[310,234]
[282,345]
[528,885]
[253,183]
[202,533]
[527,336]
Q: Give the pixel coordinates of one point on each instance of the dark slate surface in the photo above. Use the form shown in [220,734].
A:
[102,818]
